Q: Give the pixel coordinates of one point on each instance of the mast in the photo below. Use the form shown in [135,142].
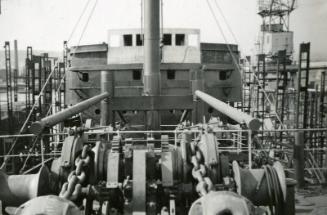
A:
[152,57]
[151,47]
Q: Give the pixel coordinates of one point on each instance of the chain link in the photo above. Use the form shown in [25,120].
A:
[72,189]
[199,171]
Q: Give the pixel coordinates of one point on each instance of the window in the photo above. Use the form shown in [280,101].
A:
[85,77]
[224,74]
[139,39]
[166,40]
[128,40]
[180,39]
[171,74]
[137,74]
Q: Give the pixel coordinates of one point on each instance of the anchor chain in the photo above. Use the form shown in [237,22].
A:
[199,171]
[72,189]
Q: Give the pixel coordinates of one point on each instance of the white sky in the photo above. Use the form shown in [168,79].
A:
[44,24]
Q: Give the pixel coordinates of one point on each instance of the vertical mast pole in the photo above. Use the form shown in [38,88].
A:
[152,56]
[151,47]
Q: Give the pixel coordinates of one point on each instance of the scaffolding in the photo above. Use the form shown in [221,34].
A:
[9,86]
[301,117]
[16,72]
[281,87]
[28,74]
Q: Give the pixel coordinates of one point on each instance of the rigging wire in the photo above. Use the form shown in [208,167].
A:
[226,21]
[78,21]
[235,61]
[87,22]
[47,114]
[250,69]
[31,112]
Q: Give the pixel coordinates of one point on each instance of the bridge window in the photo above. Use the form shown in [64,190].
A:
[137,74]
[139,39]
[180,39]
[171,74]
[128,39]
[166,40]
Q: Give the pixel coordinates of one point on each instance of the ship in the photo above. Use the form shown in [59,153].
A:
[153,121]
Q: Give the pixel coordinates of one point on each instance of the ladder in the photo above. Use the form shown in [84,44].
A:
[302,88]
[281,85]
[260,88]
[246,107]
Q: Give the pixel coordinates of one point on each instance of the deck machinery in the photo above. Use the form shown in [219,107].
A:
[110,169]
[106,171]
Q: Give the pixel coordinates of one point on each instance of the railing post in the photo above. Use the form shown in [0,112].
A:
[250,148]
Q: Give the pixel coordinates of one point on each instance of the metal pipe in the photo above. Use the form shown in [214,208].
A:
[37,127]
[233,113]
[152,58]
[106,86]
[151,47]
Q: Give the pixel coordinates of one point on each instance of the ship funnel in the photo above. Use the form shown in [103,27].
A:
[37,127]
[231,112]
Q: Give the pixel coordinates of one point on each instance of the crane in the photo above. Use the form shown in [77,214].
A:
[276,12]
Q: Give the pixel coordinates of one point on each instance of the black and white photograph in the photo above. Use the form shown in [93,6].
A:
[163,107]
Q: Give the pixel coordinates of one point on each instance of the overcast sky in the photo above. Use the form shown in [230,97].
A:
[45,24]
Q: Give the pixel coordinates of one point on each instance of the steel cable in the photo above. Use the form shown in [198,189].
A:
[274,190]
[78,21]
[233,57]
[87,22]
